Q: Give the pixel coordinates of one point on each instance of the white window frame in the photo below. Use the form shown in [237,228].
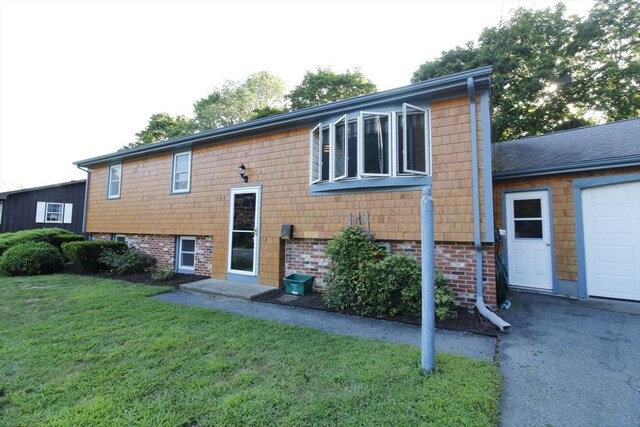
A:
[110,180]
[174,172]
[333,148]
[427,141]
[120,238]
[46,212]
[361,172]
[182,267]
[1,206]
[315,164]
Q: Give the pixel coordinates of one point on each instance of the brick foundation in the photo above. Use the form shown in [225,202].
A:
[163,248]
[455,260]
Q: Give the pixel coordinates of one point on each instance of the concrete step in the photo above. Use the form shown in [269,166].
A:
[227,288]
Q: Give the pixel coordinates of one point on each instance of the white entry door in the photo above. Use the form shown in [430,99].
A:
[611,216]
[529,240]
[244,231]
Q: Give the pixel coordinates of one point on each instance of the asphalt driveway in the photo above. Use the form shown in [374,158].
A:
[570,362]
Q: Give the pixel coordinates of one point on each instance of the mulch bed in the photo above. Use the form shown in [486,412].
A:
[462,319]
[142,278]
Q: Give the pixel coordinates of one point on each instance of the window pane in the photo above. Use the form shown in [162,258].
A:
[181,185]
[54,207]
[352,144]
[182,176]
[527,208]
[188,245]
[528,228]
[415,144]
[188,260]
[244,211]
[242,252]
[325,153]
[114,188]
[182,163]
[115,173]
[339,157]
[376,144]
[315,155]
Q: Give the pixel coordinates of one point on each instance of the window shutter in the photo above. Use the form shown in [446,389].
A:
[68,212]
[40,211]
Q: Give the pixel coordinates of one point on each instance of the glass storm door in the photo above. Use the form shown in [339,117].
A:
[244,228]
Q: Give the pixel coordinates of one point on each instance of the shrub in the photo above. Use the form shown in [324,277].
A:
[364,278]
[127,262]
[445,299]
[161,275]
[54,236]
[380,290]
[85,255]
[29,258]
[348,253]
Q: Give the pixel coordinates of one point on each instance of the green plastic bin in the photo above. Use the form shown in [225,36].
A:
[298,284]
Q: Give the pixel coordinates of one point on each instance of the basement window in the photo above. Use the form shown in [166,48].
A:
[186,254]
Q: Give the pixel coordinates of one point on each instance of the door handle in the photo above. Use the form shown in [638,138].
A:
[548,243]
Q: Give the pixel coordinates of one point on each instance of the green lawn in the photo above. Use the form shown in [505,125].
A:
[79,351]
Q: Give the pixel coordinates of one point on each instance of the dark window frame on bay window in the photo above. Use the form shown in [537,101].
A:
[386,145]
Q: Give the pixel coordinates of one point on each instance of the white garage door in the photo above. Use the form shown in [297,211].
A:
[611,216]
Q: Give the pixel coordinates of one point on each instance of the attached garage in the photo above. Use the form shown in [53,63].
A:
[611,240]
[569,203]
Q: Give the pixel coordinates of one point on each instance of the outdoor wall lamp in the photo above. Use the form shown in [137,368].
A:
[242,170]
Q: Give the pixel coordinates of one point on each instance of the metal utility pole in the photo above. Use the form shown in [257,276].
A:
[428,281]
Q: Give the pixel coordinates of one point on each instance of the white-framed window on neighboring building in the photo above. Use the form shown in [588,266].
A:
[54,212]
[370,144]
[119,238]
[114,181]
[186,262]
[181,176]
[1,205]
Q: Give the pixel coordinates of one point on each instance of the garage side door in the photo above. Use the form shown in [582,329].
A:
[611,216]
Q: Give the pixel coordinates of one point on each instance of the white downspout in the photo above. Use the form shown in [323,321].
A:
[480,305]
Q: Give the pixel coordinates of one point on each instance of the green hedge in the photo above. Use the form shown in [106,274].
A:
[53,236]
[30,258]
[86,255]
[127,262]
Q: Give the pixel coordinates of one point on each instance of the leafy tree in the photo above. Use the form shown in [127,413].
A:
[162,126]
[550,69]
[325,86]
[606,49]
[260,113]
[236,102]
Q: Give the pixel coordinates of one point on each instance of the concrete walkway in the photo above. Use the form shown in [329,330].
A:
[227,288]
[466,344]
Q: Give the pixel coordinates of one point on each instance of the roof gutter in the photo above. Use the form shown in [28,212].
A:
[434,87]
[582,167]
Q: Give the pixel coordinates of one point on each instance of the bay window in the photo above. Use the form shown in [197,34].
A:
[372,145]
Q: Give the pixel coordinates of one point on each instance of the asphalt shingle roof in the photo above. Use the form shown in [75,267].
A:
[610,144]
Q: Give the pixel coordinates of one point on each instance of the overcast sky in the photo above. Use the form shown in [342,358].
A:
[79,78]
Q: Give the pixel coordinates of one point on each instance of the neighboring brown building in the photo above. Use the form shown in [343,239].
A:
[570,204]
[183,200]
